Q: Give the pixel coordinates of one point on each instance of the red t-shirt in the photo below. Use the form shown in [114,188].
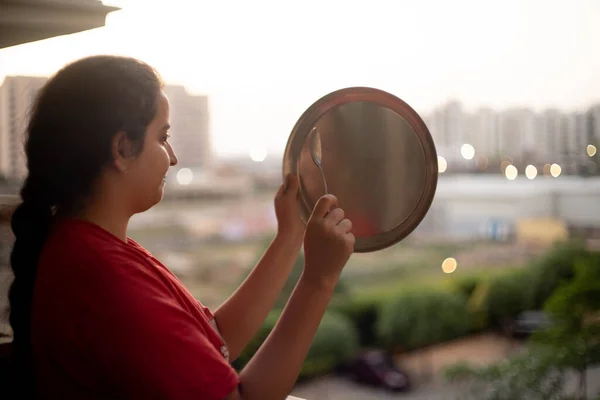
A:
[110,321]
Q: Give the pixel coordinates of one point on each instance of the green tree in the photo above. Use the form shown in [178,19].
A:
[574,308]
[572,343]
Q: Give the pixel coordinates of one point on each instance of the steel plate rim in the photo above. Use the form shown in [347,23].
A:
[352,94]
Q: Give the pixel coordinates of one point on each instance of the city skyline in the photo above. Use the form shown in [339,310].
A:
[524,135]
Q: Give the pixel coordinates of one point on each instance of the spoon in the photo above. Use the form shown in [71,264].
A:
[316,153]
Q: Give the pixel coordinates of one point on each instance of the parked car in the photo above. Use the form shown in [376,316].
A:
[529,322]
[377,368]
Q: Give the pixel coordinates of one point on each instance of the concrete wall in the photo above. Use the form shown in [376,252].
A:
[465,206]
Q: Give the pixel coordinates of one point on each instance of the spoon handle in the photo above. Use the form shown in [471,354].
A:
[316,153]
[324,180]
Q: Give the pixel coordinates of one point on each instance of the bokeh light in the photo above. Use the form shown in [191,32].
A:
[546,169]
[555,170]
[467,151]
[258,154]
[511,172]
[482,162]
[531,172]
[442,165]
[449,265]
[185,176]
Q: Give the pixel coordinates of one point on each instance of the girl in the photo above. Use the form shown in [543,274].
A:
[94,314]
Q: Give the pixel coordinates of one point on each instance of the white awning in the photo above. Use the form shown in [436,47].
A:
[24,21]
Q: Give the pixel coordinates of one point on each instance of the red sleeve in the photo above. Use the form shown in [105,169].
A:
[155,348]
[209,314]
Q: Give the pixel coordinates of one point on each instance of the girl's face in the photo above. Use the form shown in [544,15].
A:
[146,175]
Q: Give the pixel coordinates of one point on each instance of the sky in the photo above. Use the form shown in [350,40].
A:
[264,62]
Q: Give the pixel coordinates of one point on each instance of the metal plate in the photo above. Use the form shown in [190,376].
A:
[378,159]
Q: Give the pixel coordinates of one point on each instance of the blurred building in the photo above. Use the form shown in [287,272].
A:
[190,124]
[593,125]
[7,206]
[189,120]
[472,206]
[521,134]
[485,133]
[17,93]
[577,140]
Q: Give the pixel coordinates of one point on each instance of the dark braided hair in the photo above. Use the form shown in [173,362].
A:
[68,142]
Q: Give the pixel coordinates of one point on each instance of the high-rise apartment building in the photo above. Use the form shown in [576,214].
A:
[189,120]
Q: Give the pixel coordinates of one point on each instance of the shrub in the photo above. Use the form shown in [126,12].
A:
[553,268]
[466,285]
[335,341]
[529,376]
[570,344]
[508,295]
[363,313]
[413,320]
[500,298]
[477,308]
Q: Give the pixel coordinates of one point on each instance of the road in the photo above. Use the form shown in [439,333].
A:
[335,388]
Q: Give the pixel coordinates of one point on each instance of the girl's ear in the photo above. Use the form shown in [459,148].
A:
[122,151]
